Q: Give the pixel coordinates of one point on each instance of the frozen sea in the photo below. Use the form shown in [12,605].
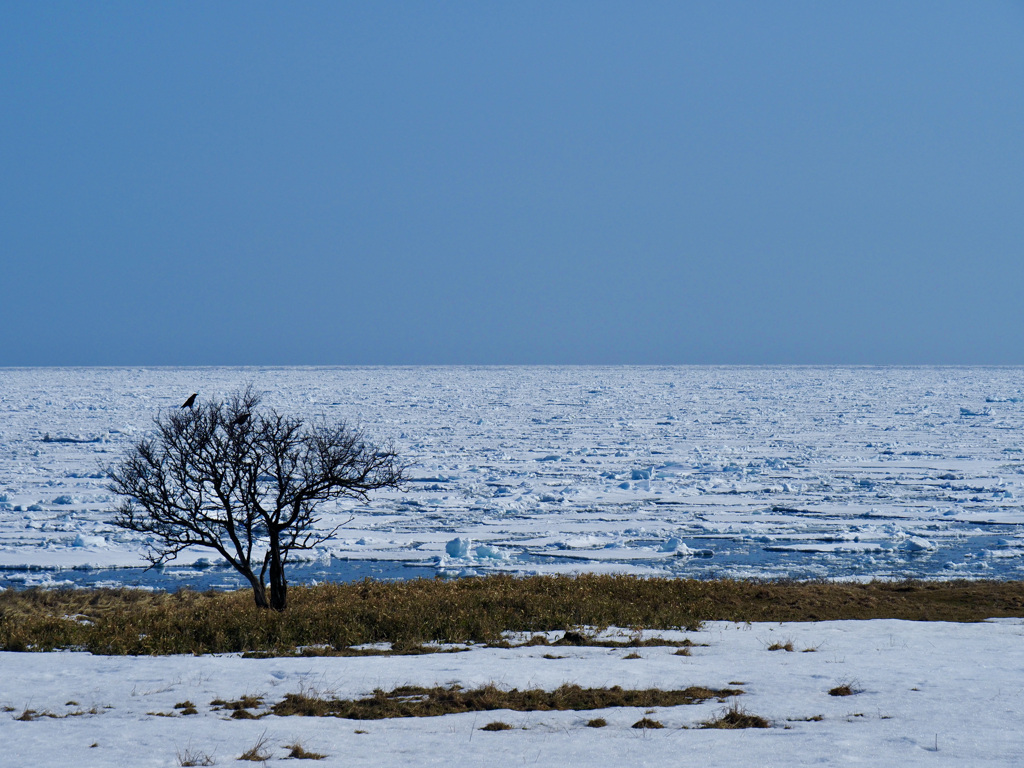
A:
[804,472]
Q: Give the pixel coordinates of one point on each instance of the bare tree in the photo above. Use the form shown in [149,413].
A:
[246,483]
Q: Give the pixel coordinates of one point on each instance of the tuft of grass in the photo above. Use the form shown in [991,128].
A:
[633,655]
[842,690]
[245,702]
[571,637]
[239,708]
[736,717]
[187,708]
[298,752]
[786,646]
[257,752]
[597,722]
[189,758]
[682,652]
[413,701]
[244,714]
[497,725]
[647,724]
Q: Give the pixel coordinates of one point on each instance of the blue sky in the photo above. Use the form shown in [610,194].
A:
[333,183]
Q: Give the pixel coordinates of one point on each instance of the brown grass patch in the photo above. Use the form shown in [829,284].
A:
[298,752]
[331,618]
[736,717]
[245,702]
[413,701]
[257,753]
[244,714]
[497,725]
[842,690]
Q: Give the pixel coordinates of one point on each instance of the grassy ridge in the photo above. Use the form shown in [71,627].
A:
[408,613]
[412,701]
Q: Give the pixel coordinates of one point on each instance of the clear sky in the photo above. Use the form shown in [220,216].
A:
[474,182]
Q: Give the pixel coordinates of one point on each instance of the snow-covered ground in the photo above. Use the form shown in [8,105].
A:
[924,694]
[805,472]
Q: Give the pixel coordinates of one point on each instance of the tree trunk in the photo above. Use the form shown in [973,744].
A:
[259,593]
[278,584]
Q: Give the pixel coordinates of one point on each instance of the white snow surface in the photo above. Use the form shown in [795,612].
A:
[702,471]
[924,694]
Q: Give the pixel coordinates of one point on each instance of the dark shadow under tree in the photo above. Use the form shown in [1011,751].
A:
[246,482]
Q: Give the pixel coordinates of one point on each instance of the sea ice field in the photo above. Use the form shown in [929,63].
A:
[804,472]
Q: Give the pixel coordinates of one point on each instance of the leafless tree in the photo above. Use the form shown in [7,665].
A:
[245,482]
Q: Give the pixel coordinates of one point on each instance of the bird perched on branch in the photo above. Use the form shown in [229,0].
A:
[191,400]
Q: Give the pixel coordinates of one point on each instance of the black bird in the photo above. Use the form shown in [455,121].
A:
[188,403]
[240,419]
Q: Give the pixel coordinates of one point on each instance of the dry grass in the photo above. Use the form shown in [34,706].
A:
[298,752]
[647,724]
[245,702]
[239,709]
[497,725]
[337,616]
[257,753]
[736,717]
[333,617]
[28,715]
[188,758]
[580,639]
[597,722]
[413,701]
